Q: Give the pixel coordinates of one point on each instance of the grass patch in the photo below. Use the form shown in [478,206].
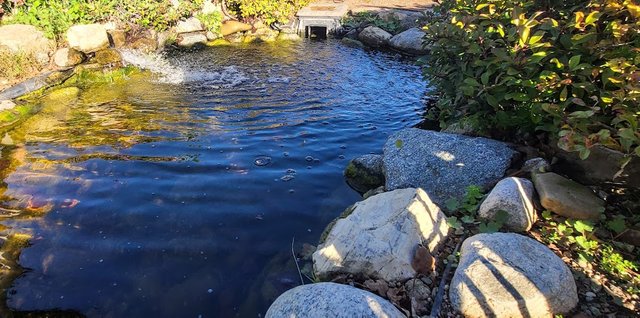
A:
[18,66]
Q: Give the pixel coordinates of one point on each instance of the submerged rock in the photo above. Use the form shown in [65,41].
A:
[374,37]
[88,38]
[511,275]
[67,57]
[331,300]
[380,237]
[22,38]
[566,197]
[409,41]
[352,43]
[514,196]
[442,164]
[365,173]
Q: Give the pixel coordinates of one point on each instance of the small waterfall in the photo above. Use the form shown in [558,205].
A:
[182,71]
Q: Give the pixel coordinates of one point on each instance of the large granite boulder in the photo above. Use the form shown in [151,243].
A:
[409,41]
[442,164]
[22,38]
[365,173]
[602,165]
[513,196]
[374,37]
[88,38]
[511,275]
[381,235]
[567,197]
[331,300]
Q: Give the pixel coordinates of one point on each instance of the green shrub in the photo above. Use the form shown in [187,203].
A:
[392,24]
[54,17]
[270,11]
[211,21]
[570,68]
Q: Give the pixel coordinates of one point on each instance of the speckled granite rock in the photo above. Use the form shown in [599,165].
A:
[567,197]
[331,300]
[380,236]
[511,275]
[515,197]
[442,164]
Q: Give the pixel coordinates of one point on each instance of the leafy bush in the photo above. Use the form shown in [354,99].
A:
[211,21]
[54,17]
[570,68]
[391,24]
[270,11]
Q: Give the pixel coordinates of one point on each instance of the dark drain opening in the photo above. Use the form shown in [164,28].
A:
[316,32]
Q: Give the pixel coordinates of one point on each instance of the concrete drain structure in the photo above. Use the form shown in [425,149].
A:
[320,19]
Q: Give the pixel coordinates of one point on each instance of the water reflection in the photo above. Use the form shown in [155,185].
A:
[156,198]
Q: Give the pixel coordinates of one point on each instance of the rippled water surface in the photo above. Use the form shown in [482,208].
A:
[178,194]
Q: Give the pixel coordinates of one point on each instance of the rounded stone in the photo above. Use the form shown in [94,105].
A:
[365,173]
[374,37]
[511,275]
[514,196]
[88,38]
[331,300]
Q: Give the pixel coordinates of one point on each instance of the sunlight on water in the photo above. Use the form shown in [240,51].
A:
[178,193]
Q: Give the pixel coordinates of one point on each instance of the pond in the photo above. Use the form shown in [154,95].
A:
[178,193]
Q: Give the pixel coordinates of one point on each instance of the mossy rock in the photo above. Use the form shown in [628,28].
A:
[107,57]
[283,36]
[218,42]
[365,173]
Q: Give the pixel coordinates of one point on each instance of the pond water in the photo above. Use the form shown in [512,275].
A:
[178,194]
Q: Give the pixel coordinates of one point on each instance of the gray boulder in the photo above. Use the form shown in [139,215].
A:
[365,173]
[536,165]
[514,196]
[602,165]
[331,300]
[567,197]
[510,275]
[380,236]
[190,25]
[409,41]
[191,39]
[374,37]
[22,38]
[442,164]
[88,38]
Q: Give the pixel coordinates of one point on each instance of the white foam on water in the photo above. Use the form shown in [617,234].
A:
[176,72]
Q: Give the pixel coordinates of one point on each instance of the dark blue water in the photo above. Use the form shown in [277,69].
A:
[159,208]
